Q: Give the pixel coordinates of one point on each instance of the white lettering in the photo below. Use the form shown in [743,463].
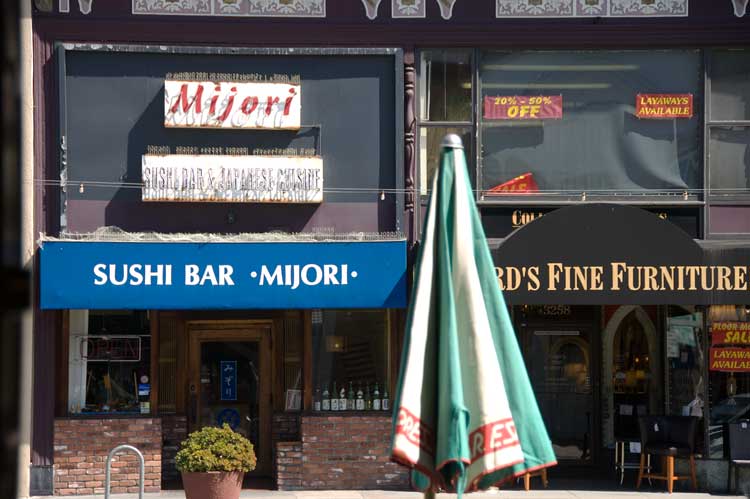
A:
[101,277]
[271,279]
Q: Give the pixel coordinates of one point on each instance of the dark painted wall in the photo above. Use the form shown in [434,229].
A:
[114,109]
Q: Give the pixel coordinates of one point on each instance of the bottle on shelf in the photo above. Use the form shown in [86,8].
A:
[360,398]
[334,398]
[316,400]
[342,398]
[326,402]
[350,400]
[386,402]
[376,398]
[368,398]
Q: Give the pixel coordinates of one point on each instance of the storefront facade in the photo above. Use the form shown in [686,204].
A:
[231,187]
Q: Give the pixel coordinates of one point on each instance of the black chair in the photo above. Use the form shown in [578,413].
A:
[669,437]
[739,450]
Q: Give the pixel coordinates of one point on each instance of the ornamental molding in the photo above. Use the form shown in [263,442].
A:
[591,8]
[241,8]
[408,8]
[371,8]
[740,6]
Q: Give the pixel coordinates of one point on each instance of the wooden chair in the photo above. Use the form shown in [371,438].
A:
[669,437]
[527,478]
[739,450]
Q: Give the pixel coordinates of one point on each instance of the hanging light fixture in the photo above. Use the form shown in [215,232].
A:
[371,8]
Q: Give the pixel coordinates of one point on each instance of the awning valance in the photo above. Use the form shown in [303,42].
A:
[222,275]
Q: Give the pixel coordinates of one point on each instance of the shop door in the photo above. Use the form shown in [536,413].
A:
[230,383]
[559,362]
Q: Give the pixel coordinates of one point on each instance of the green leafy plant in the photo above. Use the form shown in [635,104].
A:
[215,449]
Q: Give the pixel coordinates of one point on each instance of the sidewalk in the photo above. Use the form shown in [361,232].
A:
[494,494]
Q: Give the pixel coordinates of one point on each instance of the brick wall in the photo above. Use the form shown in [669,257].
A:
[285,427]
[349,452]
[288,465]
[82,446]
[173,431]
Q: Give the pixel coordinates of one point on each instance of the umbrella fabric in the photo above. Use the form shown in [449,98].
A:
[465,416]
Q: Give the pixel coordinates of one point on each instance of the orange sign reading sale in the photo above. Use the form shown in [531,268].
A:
[523,107]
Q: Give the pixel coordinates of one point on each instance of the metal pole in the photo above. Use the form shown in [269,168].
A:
[109,469]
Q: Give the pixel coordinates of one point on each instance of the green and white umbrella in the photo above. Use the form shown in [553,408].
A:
[465,416]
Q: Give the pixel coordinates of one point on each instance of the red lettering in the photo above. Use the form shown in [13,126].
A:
[269,105]
[249,100]
[212,108]
[183,97]
[230,103]
[288,103]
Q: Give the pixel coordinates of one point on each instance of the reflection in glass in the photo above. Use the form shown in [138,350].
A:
[562,385]
[728,392]
[729,160]
[599,146]
[350,348]
[231,395]
[430,139]
[445,85]
[730,91]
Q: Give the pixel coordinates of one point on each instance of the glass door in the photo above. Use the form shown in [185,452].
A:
[560,368]
[230,384]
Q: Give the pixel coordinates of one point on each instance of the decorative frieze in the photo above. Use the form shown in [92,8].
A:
[591,8]
[446,8]
[371,8]
[408,8]
[247,8]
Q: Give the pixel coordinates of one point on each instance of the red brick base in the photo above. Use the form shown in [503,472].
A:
[340,453]
[82,446]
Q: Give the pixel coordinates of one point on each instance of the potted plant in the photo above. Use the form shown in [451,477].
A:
[213,462]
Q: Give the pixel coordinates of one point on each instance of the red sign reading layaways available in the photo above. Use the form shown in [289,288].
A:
[523,107]
[730,360]
[730,333]
[664,106]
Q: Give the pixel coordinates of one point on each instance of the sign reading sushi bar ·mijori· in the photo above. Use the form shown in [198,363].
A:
[243,106]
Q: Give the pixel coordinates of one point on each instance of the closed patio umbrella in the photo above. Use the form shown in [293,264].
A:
[465,417]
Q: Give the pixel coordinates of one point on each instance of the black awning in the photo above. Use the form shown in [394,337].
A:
[598,254]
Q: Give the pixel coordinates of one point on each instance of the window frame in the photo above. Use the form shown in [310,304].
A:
[423,189]
[690,200]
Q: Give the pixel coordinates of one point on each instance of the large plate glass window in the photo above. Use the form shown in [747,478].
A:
[445,106]
[586,135]
[350,356]
[729,125]
[109,362]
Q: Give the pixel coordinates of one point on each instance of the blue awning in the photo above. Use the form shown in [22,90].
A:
[247,275]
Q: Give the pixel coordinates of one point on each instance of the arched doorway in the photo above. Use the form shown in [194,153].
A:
[631,372]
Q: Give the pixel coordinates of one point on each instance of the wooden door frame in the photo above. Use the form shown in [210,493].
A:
[261,331]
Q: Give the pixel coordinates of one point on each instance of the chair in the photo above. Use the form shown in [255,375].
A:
[669,437]
[739,450]
[527,478]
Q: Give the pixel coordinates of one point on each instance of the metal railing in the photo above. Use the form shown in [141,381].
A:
[109,469]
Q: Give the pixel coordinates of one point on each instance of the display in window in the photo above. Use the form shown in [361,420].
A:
[523,107]
[664,106]
[108,365]
[521,184]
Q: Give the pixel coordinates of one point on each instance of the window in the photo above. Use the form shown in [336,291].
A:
[729,125]
[445,106]
[597,144]
[109,362]
[729,382]
[350,349]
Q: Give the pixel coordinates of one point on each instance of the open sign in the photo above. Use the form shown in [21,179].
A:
[110,348]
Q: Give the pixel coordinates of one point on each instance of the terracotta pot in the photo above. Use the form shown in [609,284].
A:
[213,484]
